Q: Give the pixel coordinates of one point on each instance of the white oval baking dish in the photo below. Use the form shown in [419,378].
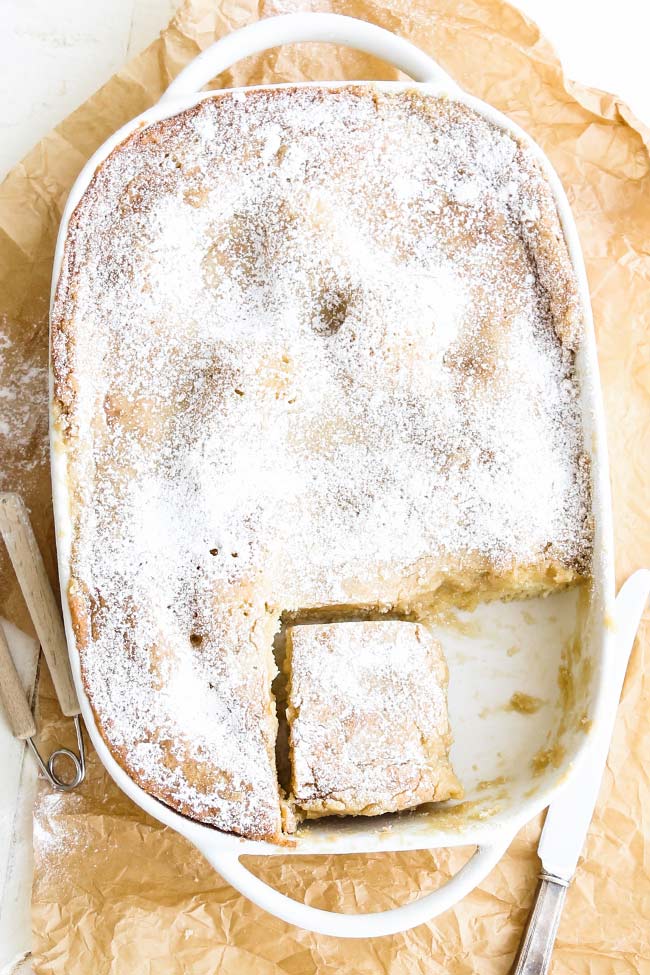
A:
[494,747]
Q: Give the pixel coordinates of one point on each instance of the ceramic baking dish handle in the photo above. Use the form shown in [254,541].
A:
[360,925]
[296,28]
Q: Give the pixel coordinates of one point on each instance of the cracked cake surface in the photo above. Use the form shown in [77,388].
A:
[367,711]
[312,349]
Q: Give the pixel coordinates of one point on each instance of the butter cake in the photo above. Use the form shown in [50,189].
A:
[313,350]
[367,711]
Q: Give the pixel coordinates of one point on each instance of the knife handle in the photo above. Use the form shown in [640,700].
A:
[537,945]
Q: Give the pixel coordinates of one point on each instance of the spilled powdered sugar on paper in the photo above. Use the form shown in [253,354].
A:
[307,346]
[56,833]
[23,411]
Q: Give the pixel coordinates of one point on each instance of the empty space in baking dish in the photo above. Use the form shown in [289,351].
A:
[519,696]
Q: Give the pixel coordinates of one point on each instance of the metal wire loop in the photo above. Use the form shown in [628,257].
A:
[78,762]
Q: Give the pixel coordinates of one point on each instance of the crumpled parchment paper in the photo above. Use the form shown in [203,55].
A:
[117,893]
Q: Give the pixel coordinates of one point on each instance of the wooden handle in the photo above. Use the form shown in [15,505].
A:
[12,694]
[29,567]
[536,948]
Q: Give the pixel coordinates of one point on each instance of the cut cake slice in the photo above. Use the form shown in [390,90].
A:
[367,711]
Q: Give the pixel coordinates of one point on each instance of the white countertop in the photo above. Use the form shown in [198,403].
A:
[16,802]
[55,53]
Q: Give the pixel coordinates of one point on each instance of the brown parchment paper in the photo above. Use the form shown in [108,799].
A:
[115,892]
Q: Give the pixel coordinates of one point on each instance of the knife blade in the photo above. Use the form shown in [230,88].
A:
[569,816]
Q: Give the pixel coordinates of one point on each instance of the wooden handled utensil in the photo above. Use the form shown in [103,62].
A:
[27,561]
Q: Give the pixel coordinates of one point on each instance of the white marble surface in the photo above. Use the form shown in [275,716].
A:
[18,774]
[53,55]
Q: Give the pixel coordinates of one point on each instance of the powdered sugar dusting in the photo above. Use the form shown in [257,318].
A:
[368,716]
[307,345]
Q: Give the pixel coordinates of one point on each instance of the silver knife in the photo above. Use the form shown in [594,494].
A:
[568,817]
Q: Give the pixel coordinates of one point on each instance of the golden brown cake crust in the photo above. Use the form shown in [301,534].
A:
[311,349]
